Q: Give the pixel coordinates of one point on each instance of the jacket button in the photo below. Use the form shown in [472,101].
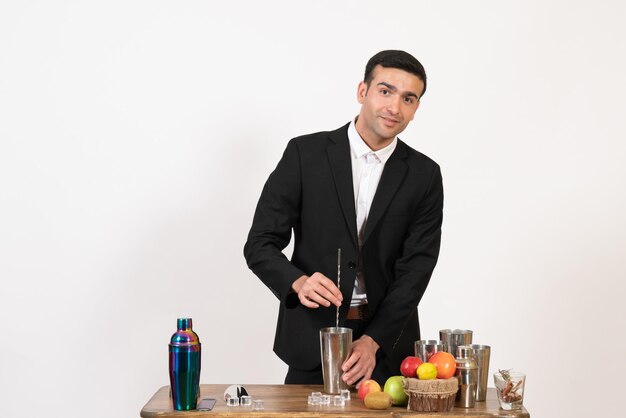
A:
[351,265]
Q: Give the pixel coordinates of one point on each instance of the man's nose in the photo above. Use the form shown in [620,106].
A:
[394,105]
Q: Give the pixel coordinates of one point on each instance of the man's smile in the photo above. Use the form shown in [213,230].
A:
[389,121]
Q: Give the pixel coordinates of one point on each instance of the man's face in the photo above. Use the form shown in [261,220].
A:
[388,104]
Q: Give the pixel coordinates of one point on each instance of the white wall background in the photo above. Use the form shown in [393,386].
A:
[135,137]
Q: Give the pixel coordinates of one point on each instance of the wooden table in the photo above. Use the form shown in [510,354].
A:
[291,401]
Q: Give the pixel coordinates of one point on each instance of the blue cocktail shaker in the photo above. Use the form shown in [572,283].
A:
[184,366]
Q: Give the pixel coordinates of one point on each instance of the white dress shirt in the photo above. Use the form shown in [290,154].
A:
[367,168]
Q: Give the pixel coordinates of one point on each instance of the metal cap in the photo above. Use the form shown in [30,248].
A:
[184,336]
[466,363]
[464,351]
[184,324]
[465,357]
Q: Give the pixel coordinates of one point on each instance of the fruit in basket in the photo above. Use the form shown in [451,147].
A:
[394,386]
[427,371]
[378,400]
[445,363]
[367,387]
[409,366]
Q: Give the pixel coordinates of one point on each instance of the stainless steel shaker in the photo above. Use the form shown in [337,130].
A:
[481,354]
[453,338]
[467,374]
[335,343]
[425,349]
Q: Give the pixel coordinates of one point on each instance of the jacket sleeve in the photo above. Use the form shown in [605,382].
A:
[412,269]
[276,214]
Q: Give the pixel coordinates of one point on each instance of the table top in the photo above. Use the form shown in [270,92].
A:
[291,401]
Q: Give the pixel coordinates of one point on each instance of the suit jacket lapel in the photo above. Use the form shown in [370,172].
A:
[339,156]
[393,175]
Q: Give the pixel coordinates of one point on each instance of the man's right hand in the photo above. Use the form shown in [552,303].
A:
[317,290]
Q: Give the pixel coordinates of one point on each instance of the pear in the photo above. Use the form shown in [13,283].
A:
[378,400]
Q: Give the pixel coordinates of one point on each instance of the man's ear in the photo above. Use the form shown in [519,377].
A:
[361,92]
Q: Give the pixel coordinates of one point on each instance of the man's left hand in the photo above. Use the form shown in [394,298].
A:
[361,361]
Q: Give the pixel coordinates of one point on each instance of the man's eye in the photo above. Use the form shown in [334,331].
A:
[408,100]
[384,92]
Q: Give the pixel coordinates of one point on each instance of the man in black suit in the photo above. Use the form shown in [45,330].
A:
[361,189]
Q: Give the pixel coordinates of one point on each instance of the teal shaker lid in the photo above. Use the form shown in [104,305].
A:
[185,335]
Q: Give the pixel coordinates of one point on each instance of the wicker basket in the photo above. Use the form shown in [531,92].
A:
[435,395]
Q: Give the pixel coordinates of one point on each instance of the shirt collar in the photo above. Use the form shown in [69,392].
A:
[359,148]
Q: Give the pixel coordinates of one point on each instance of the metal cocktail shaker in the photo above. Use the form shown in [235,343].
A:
[467,373]
[481,355]
[453,338]
[335,343]
[425,349]
[184,366]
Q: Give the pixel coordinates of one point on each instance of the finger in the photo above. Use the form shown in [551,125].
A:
[358,366]
[352,359]
[366,376]
[332,288]
[355,373]
[326,288]
[318,293]
[326,282]
[308,296]
[318,296]
[328,296]
[306,301]
[361,372]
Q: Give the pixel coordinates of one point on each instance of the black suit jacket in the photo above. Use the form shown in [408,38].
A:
[311,193]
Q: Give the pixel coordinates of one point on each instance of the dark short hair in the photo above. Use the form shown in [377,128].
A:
[395,59]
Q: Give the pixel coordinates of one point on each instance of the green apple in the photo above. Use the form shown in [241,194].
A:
[395,388]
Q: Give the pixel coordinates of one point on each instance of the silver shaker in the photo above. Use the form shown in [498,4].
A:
[453,338]
[335,343]
[467,374]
